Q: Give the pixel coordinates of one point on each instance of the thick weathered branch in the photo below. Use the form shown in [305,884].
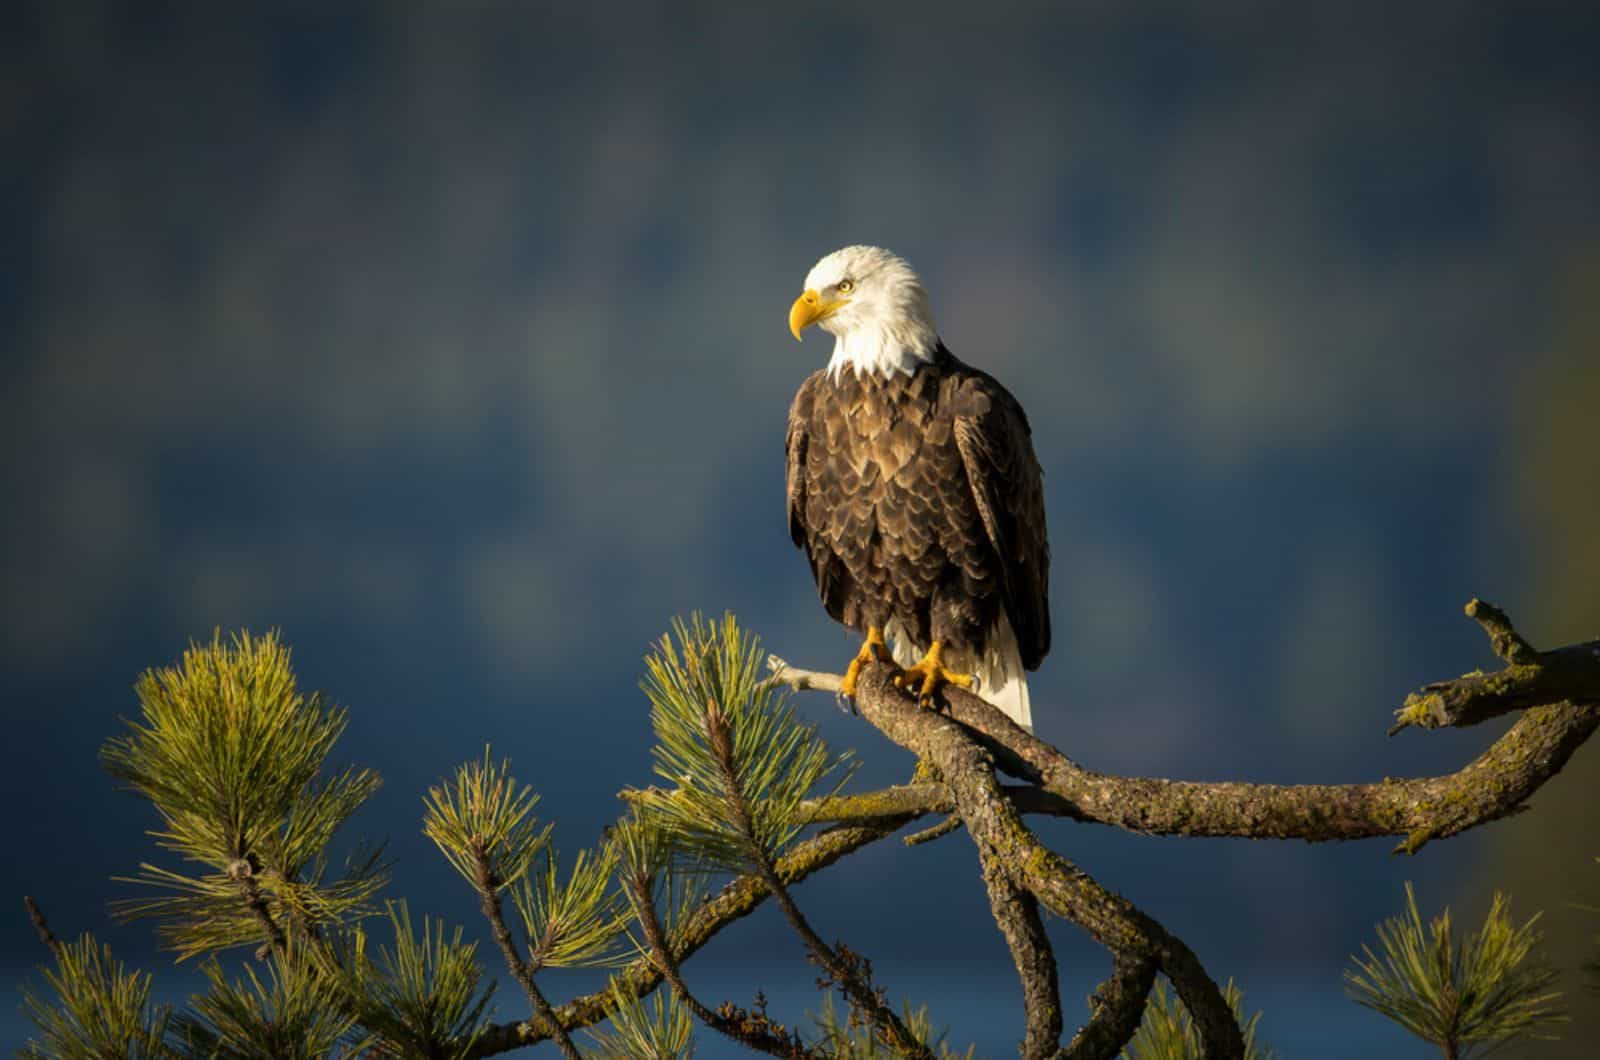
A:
[1017,913]
[738,899]
[924,798]
[1002,838]
[1559,696]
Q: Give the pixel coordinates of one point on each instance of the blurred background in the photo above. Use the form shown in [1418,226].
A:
[450,340]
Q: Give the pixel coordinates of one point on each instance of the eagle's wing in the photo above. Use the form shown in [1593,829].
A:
[996,446]
[795,449]
[826,566]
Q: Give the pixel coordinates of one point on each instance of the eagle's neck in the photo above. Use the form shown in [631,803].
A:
[886,350]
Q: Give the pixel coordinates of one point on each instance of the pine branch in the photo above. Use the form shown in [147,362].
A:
[738,899]
[853,1039]
[99,1008]
[760,1035]
[488,886]
[576,923]
[420,998]
[1168,1031]
[294,1013]
[1489,988]
[743,769]
[235,760]
[665,1033]
[242,872]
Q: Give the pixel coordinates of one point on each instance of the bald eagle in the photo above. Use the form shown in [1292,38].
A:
[914,491]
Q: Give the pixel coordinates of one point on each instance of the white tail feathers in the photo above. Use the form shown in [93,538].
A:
[1012,699]
[1001,678]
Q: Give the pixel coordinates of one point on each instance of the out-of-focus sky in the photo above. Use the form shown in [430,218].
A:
[450,340]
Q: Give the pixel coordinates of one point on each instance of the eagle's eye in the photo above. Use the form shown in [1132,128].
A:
[846,286]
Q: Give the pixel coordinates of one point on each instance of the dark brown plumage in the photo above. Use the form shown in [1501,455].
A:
[918,501]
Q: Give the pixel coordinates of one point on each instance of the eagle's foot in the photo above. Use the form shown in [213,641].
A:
[928,674]
[873,649]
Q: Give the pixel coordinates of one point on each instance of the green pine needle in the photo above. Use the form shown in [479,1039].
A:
[647,865]
[232,756]
[1168,1032]
[575,923]
[853,1038]
[100,1009]
[484,812]
[294,1013]
[727,740]
[420,998]
[662,1031]
[1488,989]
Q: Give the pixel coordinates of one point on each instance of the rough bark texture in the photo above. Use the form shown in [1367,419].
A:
[1116,1009]
[1017,914]
[1002,839]
[1557,691]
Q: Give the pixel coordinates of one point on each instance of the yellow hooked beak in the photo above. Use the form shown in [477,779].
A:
[810,308]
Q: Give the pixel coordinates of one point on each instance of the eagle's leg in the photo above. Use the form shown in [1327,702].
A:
[928,674]
[873,649]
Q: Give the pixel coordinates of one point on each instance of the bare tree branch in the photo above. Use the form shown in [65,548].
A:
[1530,679]
[928,835]
[1017,913]
[1118,1006]
[41,926]
[998,830]
[1503,638]
[1559,696]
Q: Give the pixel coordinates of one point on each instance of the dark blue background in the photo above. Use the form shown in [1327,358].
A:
[451,342]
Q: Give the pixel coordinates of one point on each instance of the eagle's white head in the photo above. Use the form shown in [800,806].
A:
[874,306]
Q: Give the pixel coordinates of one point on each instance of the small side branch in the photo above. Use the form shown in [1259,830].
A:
[1117,1006]
[1530,678]
[760,1035]
[488,888]
[41,926]
[1503,637]
[1017,913]
[928,835]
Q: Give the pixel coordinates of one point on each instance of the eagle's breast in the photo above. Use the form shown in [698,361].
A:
[887,494]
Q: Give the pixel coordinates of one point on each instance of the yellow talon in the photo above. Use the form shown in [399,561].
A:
[928,674]
[873,649]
